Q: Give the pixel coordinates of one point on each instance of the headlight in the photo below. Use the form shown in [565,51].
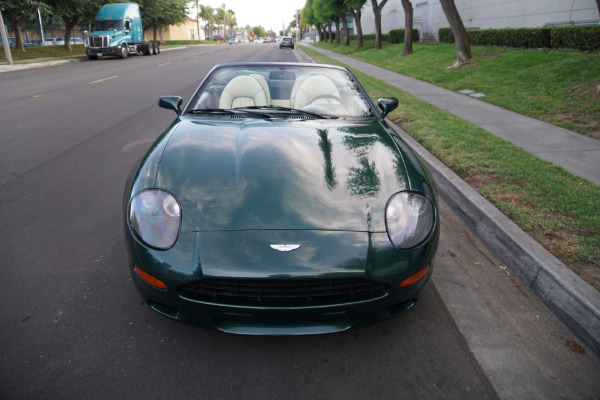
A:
[409,219]
[155,216]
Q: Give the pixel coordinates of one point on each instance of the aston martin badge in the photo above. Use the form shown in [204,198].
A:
[285,247]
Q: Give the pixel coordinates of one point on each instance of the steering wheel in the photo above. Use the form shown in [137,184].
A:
[323,96]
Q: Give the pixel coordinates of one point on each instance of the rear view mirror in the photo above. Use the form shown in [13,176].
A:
[387,105]
[171,103]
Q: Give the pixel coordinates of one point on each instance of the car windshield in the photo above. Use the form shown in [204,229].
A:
[107,25]
[281,91]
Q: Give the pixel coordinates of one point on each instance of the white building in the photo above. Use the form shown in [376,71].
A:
[428,16]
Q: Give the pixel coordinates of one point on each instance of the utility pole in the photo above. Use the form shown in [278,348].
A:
[297,25]
[5,40]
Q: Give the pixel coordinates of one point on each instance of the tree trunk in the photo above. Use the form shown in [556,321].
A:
[321,33]
[197,21]
[463,49]
[17,25]
[345,24]
[330,32]
[69,26]
[359,35]
[377,11]
[338,30]
[408,27]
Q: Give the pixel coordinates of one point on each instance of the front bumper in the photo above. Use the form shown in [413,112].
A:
[255,320]
[102,51]
[183,265]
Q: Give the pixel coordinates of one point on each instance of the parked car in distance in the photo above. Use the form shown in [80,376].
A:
[233,41]
[11,42]
[286,42]
[61,41]
[280,202]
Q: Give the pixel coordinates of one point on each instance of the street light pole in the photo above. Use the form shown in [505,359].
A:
[41,27]
[297,25]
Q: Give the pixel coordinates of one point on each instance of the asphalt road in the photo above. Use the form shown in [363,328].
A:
[72,323]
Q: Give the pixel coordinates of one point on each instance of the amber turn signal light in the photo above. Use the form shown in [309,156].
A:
[415,278]
[149,279]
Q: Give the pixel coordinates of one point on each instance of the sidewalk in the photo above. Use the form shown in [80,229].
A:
[576,153]
[574,302]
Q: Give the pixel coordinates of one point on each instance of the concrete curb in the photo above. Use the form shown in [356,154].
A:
[574,302]
[17,67]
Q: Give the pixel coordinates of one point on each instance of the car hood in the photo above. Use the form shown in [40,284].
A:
[283,174]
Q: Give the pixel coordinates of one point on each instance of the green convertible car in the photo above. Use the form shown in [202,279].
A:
[279,202]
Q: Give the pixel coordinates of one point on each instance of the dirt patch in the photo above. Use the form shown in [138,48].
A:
[575,347]
[559,243]
[580,115]
[588,126]
[586,91]
[480,180]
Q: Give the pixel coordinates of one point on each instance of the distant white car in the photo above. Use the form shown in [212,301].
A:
[61,41]
[233,41]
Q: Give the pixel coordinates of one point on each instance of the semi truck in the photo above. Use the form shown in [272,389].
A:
[117,31]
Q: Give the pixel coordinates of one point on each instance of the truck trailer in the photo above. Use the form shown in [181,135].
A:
[117,31]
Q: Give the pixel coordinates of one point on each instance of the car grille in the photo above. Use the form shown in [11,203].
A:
[284,293]
[98,41]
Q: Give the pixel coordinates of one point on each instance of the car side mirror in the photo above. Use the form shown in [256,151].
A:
[387,105]
[171,103]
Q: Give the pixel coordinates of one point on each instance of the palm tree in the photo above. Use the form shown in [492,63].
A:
[207,14]
[220,19]
[231,22]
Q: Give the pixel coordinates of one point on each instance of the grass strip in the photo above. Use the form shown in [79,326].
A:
[42,52]
[558,209]
[559,87]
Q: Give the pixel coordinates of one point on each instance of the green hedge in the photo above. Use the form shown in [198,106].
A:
[583,38]
[397,35]
[394,36]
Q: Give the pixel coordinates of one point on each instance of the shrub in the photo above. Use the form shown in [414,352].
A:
[397,35]
[583,38]
[445,35]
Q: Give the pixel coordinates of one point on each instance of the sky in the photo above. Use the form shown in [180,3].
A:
[270,14]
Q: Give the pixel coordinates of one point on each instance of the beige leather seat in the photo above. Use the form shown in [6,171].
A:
[261,79]
[243,91]
[297,83]
[311,88]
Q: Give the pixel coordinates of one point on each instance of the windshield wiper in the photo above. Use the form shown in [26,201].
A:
[293,110]
[229,112]
[210,111]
